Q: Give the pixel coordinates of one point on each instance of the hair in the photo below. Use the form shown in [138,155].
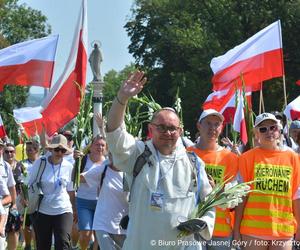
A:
[10,145]
[98,137]
[34,143]
[157,112]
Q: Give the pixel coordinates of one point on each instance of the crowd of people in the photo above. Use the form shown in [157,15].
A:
[139,194]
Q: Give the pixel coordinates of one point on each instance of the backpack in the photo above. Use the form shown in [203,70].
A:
[35,192]
[143,158]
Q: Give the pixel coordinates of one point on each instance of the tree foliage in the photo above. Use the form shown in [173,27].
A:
[17,23]
[113,80]
[174,42]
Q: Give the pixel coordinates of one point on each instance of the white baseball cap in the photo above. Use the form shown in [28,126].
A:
[264,116]
[208,112]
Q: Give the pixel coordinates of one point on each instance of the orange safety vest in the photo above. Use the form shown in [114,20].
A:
[270,212]
[220,165]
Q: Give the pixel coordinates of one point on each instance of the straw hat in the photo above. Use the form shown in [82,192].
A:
[59,141]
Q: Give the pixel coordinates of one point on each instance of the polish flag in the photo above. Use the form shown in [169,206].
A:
[239,122]
[29,119]
[28,63]
[292,110]
[63,101]
[223,101]
[257,59]
[218,99]
[2,129]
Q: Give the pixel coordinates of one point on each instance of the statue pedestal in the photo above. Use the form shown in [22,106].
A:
[97,103]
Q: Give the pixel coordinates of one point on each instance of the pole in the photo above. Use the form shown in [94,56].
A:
[97,103]
[284,90]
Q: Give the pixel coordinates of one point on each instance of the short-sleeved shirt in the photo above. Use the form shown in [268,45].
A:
[85,191]
[7,174]
[112,203]
[56,182]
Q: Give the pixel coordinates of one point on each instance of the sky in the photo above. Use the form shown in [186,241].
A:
[106,19]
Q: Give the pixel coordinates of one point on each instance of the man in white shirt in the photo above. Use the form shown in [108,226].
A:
[166,188]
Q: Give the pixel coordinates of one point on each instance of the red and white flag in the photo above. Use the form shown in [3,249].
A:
[223,101]
[239,122]
[63,101]
[28,63]
[257,59]
[218,99]
[28,118]
[292,110]
[2,129]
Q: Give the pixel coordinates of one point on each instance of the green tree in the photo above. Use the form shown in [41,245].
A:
[174,41]
[17,23]
[113,80]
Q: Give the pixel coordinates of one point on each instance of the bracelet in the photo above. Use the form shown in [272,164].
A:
[118,100]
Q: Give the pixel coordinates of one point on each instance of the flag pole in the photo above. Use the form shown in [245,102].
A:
[284,91]
[261,100]
[283,75]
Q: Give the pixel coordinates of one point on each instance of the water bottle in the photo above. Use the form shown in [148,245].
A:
[14,212]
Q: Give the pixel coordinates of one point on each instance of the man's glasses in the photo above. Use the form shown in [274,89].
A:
[9,151]
[163,128]
[60,149]
[265,129]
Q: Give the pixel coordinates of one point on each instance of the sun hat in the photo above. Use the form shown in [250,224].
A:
[295,124]
[264,116]
[59,141]
[208,112]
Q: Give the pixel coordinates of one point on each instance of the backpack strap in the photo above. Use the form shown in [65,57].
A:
[40,172]
[141,160]
[103,176]
[39,177]
[83,163]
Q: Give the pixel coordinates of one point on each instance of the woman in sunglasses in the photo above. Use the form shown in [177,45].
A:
[54,215]
[266,218]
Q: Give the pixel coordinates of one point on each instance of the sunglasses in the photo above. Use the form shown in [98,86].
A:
[163,128]
[69,137]
[60,149]
[9,151]
[265,129]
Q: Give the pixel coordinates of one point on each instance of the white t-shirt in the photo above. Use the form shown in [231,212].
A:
[112,203]
[70,158]
[56,182]
[28,165]
[85,191]
[7,174]
[3,191]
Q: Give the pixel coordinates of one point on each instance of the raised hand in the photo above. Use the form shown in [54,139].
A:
[132,86]
[99,120]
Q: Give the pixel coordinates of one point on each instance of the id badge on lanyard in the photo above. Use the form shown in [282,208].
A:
[157,198]
[157,201]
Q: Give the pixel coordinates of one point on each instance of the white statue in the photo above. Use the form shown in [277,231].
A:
[95,60]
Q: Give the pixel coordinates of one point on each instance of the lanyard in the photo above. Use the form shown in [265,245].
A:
[160,173]
[56,177]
